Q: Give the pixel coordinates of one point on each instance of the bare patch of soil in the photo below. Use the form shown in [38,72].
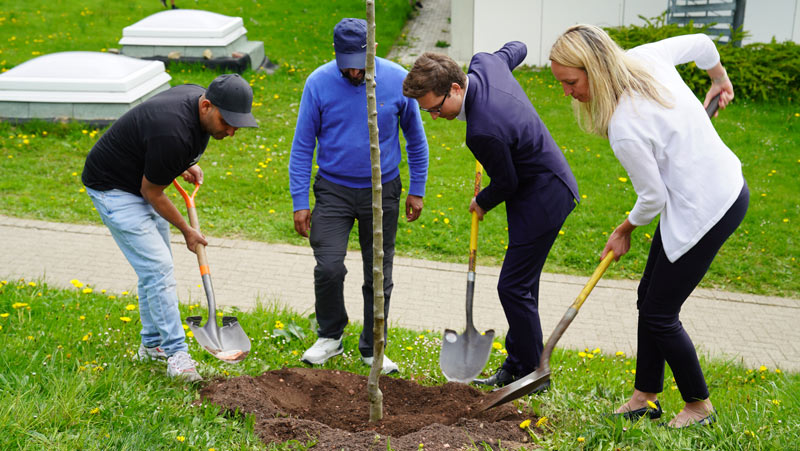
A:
[332,407]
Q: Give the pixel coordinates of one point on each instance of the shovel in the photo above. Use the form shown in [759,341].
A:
[228,343]
[541,375]
[463,356]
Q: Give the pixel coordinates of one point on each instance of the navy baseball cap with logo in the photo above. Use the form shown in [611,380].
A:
[350,43]
[234,98]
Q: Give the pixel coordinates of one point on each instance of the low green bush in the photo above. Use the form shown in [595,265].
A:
[759,71]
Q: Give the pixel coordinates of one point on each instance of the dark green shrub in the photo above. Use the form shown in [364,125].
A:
[760,71]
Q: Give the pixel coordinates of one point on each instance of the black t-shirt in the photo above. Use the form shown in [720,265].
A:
[159,139]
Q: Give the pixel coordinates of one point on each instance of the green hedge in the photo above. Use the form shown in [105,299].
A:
[760,71]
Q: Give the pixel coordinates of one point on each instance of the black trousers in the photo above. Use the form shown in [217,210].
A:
[664,288]
[335,210]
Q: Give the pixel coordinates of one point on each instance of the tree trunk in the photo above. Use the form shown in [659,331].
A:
[375,395]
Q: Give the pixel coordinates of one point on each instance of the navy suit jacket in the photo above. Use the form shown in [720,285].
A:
[504,132]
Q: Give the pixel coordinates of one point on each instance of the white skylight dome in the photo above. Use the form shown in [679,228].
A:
[189,35]
[79,85]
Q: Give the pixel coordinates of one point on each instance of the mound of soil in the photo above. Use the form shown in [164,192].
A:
[332,407]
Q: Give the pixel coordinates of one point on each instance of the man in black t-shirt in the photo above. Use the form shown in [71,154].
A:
[125,175]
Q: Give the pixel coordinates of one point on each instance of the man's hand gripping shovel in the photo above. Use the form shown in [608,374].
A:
[228,343]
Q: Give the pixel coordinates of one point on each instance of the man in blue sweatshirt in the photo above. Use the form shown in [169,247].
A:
[333,118]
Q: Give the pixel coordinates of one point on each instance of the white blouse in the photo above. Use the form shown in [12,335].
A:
[679,166]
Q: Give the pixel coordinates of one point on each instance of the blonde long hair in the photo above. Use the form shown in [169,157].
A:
[610,71]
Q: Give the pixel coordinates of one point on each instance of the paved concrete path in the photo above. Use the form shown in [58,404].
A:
[755,330]
[430,25]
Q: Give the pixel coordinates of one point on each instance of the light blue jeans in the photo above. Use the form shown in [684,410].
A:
[143,237]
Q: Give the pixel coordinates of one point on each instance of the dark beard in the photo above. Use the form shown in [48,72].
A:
[353,81]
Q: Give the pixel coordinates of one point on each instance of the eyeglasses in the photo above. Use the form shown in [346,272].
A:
[437,109]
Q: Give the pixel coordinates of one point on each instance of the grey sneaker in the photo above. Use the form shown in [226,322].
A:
[181,365]
[389,367]
[154,353]
[322,350]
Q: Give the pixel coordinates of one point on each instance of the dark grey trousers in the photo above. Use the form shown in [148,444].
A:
[336,208]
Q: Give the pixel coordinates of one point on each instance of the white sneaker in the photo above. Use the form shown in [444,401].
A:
[322,350]
[389,367]
[181,365]
[155,353]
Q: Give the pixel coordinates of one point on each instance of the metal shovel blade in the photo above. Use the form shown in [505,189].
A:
[524,386]
[464,356]
[228,343]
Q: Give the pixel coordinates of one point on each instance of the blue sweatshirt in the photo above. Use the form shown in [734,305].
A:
[333,118]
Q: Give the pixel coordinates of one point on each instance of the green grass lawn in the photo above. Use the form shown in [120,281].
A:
[246,193]
[68,381]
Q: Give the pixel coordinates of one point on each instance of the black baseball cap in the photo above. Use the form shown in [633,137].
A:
[234,98]
[350,43]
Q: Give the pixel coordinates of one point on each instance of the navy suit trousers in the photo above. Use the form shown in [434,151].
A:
[518,285]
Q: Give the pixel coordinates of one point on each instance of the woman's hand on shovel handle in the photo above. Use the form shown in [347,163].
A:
[193,238]
[619,241]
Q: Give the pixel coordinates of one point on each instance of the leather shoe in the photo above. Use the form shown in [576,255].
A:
[500,378]
[634,415]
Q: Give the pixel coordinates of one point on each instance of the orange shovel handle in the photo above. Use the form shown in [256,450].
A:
[189,199]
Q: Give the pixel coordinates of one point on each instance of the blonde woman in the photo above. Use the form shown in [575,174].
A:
[680,170]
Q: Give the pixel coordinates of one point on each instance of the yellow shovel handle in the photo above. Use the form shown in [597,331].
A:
[598,273]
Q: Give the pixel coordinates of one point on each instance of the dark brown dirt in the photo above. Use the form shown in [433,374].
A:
[332,407]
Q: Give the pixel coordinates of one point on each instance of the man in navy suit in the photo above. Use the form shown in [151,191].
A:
[528,172]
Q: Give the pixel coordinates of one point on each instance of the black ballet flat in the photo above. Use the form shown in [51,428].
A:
[634,415]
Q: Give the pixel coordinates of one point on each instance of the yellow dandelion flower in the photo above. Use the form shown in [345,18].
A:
[590,356]
[525,424]
[777,402]
[32,284]
[130,307]
[438,195]
[190,334]
[581,439]
[652,405]
[785,219]
[17,305]
[3,282]
[596,351]
[3,315]
[125,319]
[581,354]
[278,325]
[76,283]
[777,370]
[542,421]
[86,290]
[762,368]
[81,317]
[560,232]
[111,296]
[447,221]
[409,348]
[94,411]
[124,293]
[180,438]
[185,327]
[497,345]
[622,179]
[271,210]
[620,354]
[85,338]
